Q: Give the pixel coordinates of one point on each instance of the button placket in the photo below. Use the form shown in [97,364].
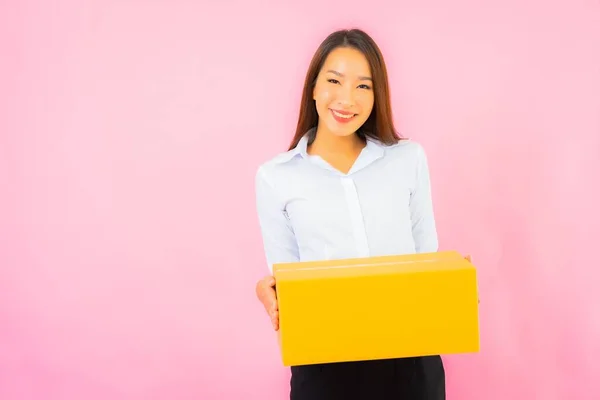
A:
[356,217]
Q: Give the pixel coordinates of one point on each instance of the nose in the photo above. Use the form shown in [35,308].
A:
[346,96]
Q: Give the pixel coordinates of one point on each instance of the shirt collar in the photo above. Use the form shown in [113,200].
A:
[299,150]
[373,150]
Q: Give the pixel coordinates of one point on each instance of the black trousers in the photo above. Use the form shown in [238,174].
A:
[418,378]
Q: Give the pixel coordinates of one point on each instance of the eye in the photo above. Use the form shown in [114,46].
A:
[334,81]
[364,87]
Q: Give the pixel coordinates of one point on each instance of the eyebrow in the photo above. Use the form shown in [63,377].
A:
[362,78]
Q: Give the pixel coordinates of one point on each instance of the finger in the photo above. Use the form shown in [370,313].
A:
[273,305]
[275,320]
[468,257]
[270,303]
[271,296]
[265,291]
[270,281]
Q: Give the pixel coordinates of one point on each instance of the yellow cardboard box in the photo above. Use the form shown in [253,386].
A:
[377,308]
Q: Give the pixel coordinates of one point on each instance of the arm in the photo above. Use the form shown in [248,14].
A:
[278,237]
[421,208]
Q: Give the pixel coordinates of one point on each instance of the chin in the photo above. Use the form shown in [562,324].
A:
[343,131]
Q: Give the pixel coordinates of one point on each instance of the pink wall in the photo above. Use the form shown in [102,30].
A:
[129,136]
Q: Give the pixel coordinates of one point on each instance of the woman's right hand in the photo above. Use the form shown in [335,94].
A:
[265,291]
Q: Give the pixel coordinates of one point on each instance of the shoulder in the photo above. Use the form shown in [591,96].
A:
[409,158]
[406,149]
[269,169]
[278,159]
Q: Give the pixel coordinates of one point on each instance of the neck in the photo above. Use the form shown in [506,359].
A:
[332,144]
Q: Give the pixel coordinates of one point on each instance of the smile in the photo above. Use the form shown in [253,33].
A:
[342,116]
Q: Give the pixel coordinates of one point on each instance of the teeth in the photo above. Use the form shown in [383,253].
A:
[343,115]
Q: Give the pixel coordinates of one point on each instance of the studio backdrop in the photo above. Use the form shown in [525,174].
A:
[130,134]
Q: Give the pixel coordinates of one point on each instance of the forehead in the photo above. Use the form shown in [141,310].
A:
[347,61]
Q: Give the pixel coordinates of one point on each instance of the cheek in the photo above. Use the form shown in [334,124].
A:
[324,97]
[366,102]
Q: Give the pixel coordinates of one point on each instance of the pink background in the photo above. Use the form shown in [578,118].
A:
[130,132]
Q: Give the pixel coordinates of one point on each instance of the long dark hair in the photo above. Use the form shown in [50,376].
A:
[379,125]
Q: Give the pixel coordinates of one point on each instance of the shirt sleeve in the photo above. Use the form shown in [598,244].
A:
[421,208]
[278,237]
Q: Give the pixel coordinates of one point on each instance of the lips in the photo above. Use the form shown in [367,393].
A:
[342,116]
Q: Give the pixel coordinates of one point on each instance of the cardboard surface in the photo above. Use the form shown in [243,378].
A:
[376,308]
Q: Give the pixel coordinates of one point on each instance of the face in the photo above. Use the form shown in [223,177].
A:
[343,92]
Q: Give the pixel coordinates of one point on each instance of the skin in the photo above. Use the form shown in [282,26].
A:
[343,84]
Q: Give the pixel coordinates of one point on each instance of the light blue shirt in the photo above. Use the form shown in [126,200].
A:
[308,210]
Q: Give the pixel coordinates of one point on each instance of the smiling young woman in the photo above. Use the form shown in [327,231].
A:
[348,186]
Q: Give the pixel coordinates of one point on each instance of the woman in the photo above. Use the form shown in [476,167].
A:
[348,186]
